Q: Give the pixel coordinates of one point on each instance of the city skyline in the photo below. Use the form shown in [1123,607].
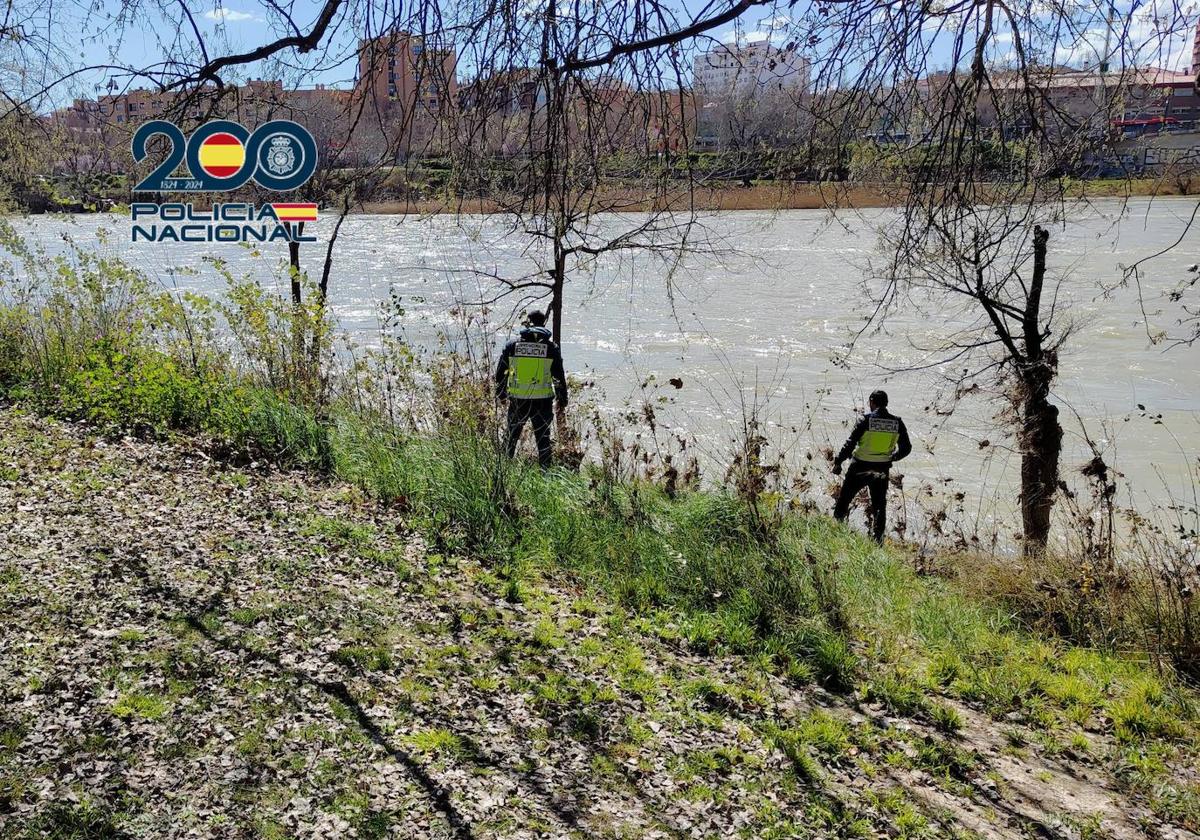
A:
[100,51]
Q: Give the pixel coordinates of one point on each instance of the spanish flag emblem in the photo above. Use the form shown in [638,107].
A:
[222,155]
[295,212]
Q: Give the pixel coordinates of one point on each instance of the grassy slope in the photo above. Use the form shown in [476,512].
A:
[249,652]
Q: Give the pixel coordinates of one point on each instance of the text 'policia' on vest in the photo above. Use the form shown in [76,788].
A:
[529,375]
[878,441]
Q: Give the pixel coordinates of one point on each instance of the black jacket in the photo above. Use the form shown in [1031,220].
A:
[541,335]
[903,445]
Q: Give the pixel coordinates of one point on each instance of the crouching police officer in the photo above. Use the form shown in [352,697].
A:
[879,439]
[530,376]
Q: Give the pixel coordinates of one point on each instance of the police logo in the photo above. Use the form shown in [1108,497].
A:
[222,155]
[281,155]
[280,158]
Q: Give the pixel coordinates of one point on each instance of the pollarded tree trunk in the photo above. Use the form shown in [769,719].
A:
[297,314]
[1041,446]
[294,268]
[1040,437]
[556,293]
[556,311]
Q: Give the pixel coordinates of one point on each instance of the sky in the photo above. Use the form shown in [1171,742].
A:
[94,33]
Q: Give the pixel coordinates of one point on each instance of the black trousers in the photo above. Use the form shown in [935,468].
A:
[540,415]
[874,477]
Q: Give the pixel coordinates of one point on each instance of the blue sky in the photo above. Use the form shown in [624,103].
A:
[95,34]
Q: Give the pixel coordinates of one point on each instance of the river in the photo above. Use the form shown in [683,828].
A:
[768,313]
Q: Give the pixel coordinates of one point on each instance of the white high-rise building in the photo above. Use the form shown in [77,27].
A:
[749,93]
[749,70]
[1196,56]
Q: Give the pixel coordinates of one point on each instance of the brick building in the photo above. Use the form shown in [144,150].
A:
[505,93]
[105,125]
[406,71]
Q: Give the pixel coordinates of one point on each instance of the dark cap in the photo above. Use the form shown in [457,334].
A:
[879,398]
[537,317]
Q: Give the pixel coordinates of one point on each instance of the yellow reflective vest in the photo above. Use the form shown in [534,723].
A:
[878,443]
[529,372]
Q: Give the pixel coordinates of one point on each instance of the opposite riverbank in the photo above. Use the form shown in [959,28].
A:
[705,196]
[772,195]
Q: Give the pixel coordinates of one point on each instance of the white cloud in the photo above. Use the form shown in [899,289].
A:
[222,15]
[777,22]
[1142,41]
[773,29]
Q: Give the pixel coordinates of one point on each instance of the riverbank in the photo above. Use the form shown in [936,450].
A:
[200,648]
[771,195]
[704,196]
[780,195]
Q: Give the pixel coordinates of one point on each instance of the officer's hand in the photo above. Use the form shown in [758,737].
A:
[837,467]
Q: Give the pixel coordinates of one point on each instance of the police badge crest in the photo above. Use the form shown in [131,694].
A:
[281,155]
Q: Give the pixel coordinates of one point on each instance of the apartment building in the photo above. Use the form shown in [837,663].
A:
[1196,58]
[748,94]
[406,71]
[749,70]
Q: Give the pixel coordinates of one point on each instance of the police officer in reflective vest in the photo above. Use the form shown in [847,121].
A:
[530,376]
[878,439]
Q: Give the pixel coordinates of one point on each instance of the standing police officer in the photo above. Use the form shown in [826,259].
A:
[530,375]
[878,439]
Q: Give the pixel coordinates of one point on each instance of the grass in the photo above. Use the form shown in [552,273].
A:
[340,533]
[945,718]
[141,705]
[441,742]
[712,570]
[82,821]
[792,744]
[365,658]
[829,736]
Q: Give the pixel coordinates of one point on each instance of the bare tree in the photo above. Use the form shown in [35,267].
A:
[986,270]
[965,117]
[593,162]
[1183,300]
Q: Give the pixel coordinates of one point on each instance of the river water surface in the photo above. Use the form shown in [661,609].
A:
[767,315]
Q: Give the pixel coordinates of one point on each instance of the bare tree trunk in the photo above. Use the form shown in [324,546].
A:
[298,338]
[315,348]
[1041,446]
[294,262]
[556,310]
[556,293]
[1041,434]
